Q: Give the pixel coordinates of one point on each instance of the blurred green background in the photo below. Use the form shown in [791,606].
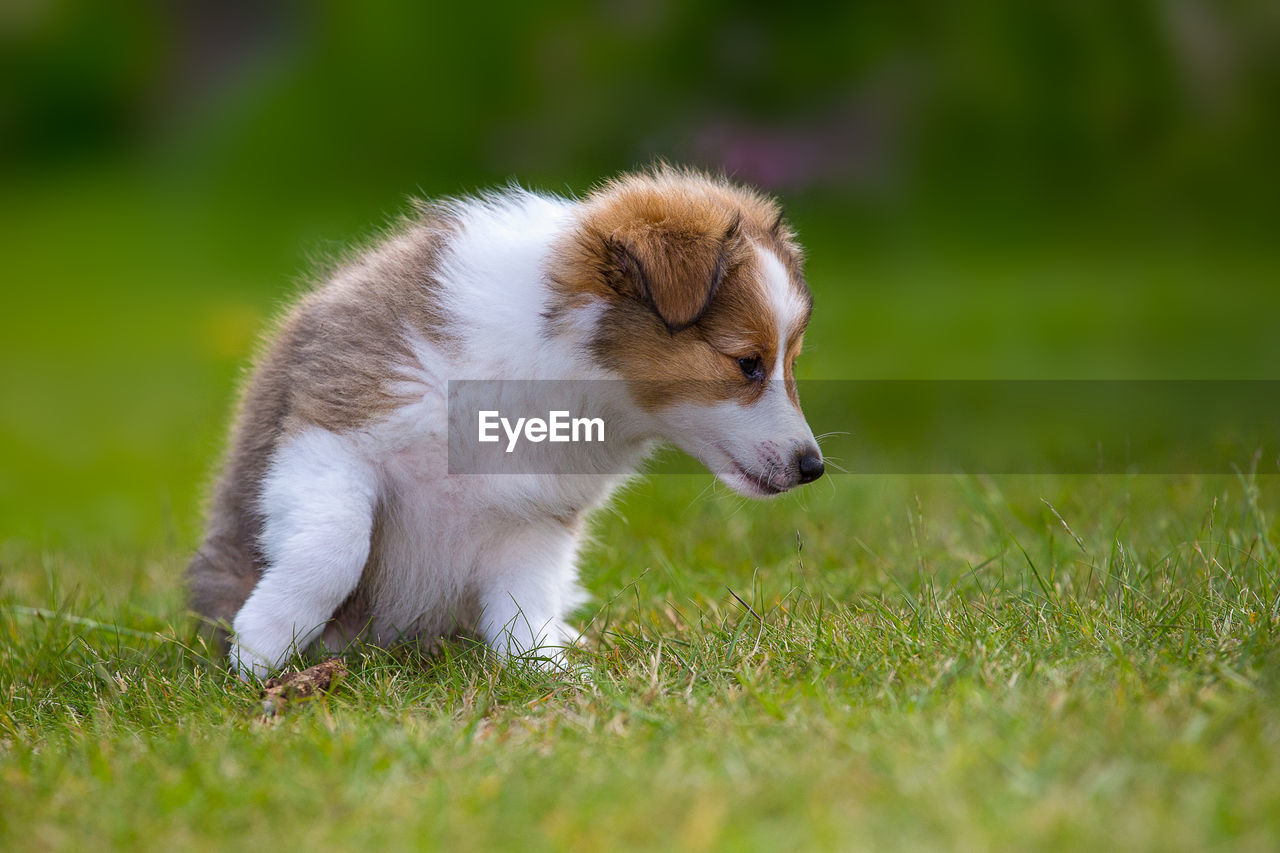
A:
[995,189]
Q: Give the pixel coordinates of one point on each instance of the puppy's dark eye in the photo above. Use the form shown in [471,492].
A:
[752,368]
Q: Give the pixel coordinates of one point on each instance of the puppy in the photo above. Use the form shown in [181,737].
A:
[672,301]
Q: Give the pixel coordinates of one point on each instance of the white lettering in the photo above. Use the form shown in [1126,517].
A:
[559,427]
[513,435]
[587,424]
[487,423]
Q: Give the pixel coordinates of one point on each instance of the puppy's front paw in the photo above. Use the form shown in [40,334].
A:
[258,646]
[249,667]
[261,640]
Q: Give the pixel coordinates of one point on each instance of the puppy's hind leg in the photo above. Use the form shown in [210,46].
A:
[318,501]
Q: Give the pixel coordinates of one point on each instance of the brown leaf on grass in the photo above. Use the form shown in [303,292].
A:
[278,692]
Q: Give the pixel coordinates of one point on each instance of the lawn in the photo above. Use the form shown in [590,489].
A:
[887,662]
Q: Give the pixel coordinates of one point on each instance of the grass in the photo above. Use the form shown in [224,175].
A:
[897,682]
[953,662]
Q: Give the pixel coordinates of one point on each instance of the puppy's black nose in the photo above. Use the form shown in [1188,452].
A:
[810,465]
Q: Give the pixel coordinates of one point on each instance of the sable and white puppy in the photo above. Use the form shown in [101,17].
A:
[336,514]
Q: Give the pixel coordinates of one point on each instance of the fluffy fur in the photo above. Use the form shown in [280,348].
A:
[335,515]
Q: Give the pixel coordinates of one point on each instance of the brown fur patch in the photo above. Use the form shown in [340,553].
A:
[330,363]
[685,294]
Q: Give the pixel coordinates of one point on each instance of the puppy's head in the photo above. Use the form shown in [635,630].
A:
[704,312]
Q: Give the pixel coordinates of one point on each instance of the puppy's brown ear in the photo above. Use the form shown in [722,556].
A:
[674,268]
